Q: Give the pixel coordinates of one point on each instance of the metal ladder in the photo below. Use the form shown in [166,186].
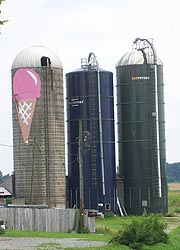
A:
[92,98]
[154,153]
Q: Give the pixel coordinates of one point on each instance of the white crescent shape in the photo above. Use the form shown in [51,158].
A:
[33,76]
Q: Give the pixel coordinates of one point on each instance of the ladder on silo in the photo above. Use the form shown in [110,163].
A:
[154,149]
[92,99]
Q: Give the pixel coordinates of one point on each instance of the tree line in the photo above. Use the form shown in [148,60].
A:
[173,172]
[3,177]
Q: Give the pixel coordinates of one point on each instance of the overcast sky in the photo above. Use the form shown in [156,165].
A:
[72,29]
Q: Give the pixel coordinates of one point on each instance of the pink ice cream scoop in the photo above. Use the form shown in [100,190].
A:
[26,84]
[26,89]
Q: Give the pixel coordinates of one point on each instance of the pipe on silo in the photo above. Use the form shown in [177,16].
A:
[100,131]
[100,121]
[157,111]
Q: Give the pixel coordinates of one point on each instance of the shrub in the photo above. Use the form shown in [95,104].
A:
[142,230]
[84,230]
[108,214]
[8,200]
[2,231]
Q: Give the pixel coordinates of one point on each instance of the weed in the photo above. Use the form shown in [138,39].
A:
[50,246]
[103,230]
[84,230]
[108,214]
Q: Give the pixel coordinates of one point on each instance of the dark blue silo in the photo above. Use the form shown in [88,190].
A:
[141,126]
[91,139]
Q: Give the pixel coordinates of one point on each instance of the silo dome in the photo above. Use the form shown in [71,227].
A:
[30,57]
[137,57]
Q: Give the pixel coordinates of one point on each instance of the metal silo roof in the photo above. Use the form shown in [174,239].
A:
[86,70]
[31,57]
[135,57]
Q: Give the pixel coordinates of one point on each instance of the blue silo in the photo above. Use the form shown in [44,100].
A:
[91,137]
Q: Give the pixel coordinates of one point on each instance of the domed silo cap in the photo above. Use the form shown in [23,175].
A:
[136,57]
[31,58]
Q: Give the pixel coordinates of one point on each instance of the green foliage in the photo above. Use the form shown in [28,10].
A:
[173,172]
[84,230]
[177,210]
[112,225]
[103,230]
[106,247]
[2,231]
[3,177]
[170,179]
[174,238]
[50,246]
[59,235]
[8,200]
[174,202]
[142,230]
[108,214]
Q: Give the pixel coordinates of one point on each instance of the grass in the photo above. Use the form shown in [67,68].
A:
[108,227]
[174,201]
[50,246]
[112,225]
[107,247]
[173,244]
[17,233]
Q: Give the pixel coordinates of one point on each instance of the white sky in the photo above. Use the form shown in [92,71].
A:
[72,29]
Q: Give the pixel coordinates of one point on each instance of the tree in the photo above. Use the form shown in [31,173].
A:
[2,21]
[3,177]
[173,172]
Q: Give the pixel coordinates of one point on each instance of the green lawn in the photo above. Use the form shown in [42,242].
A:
[174,201]
[174,244]
[16,233]
[107,228]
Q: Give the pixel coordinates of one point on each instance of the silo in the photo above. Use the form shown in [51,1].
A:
[38,128]
[141,129]
[91,139]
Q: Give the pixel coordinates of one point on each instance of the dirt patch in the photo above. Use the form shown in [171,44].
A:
[174,186]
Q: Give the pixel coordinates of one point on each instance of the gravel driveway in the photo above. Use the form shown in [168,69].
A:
[8,243]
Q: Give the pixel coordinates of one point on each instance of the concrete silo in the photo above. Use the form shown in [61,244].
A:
[141,129]
[91,142]
[38,128]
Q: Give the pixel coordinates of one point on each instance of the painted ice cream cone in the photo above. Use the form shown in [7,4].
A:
[26,87]
[25,115]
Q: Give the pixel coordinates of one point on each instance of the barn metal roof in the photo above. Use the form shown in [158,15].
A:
[4,192]
[31,57]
